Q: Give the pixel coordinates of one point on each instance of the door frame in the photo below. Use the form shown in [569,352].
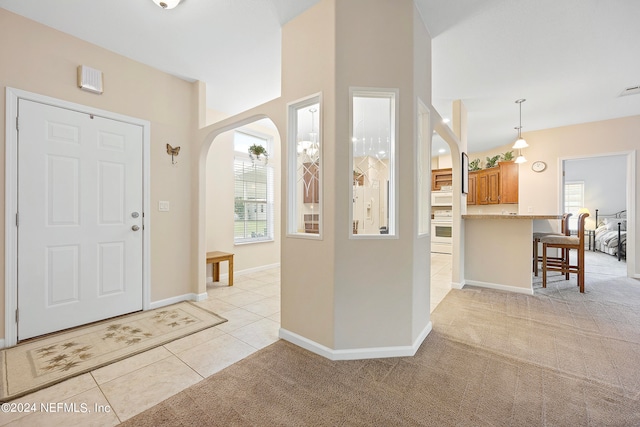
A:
[11,198]
[630,157]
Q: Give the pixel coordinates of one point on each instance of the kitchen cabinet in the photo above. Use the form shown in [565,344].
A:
[508,182]
[494,186]
[488,187]
[440,177]
[472,195]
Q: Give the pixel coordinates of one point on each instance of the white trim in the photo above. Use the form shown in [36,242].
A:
[291,156]
[356,353]
[11,195]
[457,285]
[527,291]
[177,299]
[393,210]
[1,343]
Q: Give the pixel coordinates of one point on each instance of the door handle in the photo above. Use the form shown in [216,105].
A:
[135,228]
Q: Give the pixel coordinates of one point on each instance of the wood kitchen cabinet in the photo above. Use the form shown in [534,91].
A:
[488,187]
[508,182]
[440,177]
[472,195]
[495,185]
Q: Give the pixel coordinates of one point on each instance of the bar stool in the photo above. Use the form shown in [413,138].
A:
[565,243]
[564,228]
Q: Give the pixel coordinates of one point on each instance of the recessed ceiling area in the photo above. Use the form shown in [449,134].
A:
[570,59]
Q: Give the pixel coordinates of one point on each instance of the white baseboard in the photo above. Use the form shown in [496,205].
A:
[456,285]
[499,287]
[186,297]
[355,353]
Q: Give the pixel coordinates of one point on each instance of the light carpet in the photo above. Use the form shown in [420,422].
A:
[493,359]
[42,362]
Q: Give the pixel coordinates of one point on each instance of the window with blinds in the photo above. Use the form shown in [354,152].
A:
[253,191]
[573,201]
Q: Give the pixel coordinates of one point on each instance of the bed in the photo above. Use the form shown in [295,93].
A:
[611,233]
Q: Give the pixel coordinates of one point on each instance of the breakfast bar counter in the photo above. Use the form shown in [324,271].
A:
[498,250]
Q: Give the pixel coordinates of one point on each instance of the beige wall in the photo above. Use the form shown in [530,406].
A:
[39,59]
[220,213]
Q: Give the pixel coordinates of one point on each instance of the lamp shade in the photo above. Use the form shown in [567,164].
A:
[520,159]
[520,143]
[167,4]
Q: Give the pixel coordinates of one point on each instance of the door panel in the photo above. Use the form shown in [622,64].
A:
[79,180]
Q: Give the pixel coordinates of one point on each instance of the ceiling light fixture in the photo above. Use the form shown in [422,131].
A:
[167,4]
[520,142]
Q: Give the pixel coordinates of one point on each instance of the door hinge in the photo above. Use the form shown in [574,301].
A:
[17,317]
[17,219]
[17,123]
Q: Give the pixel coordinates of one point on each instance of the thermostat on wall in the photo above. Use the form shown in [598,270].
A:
[89,79]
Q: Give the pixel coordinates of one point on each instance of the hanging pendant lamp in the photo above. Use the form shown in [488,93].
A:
[520,142]
[167,4]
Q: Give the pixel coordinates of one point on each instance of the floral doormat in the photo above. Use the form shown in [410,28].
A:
[36,364]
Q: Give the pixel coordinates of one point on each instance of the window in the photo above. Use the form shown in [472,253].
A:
[253,193]
[573,201]
[305,169]
[373,137]
[424,169]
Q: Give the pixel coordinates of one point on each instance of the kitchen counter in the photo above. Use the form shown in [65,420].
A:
[510,216]
[498,250]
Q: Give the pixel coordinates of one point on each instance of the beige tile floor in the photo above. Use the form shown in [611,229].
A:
[117,392]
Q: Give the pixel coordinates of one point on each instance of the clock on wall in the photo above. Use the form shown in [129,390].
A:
[538,166]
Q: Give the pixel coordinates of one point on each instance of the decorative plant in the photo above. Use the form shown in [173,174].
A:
[508,156]
[491,161]
[256,151]
[474,165]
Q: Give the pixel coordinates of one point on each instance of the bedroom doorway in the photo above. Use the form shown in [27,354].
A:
[600,185]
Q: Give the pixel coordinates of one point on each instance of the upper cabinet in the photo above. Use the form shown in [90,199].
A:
[440,177]
[508,182]
[495,185]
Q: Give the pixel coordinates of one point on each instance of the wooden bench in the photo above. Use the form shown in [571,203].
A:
[215,258]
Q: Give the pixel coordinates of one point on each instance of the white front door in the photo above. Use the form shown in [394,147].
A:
[80,202]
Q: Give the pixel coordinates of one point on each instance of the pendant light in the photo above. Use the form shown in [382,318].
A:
[167,4]
[520,142]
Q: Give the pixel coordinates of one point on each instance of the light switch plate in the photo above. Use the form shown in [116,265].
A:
[163,206]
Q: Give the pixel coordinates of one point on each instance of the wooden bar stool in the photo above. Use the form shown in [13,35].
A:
[564,229]
[566,244]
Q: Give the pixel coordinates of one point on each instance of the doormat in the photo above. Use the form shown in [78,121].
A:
[40,363]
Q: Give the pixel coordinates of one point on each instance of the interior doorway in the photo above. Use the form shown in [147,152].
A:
[599,185]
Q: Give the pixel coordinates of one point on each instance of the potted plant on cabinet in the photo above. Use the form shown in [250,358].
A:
[491,161]
[507,157]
